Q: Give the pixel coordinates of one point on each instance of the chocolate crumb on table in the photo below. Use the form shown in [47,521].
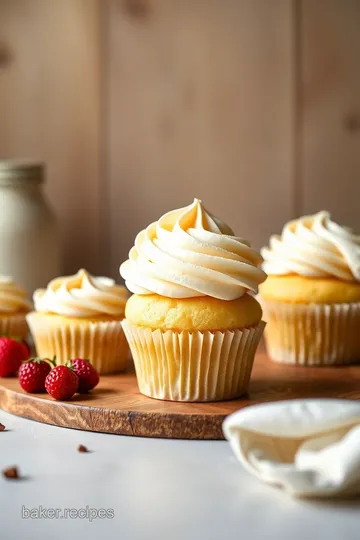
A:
[82,448]
[11,473]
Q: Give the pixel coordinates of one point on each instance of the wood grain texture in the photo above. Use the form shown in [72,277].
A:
[50,110]
[137,106]
[199,104]
[116,406]
[330,76]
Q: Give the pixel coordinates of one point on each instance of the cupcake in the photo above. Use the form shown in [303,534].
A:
[311,299]
[80,316]
[192,323]
[14,305]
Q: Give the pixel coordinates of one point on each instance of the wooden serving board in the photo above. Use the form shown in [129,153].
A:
[116,406]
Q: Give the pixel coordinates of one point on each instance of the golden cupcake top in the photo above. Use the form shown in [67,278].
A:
[82,295]
[188,253]
[201,313]
[314,246]
[13,298]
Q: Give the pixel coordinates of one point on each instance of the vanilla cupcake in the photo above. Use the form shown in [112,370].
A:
[14,305]
[192,324]
[80,316]
[311,298]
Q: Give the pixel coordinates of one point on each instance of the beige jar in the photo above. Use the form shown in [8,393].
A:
[29,238]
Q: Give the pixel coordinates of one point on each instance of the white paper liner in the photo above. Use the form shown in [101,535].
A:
[312,334]
[193,366]
[14,325]
[101,342]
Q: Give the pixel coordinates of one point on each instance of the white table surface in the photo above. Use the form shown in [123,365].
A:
[158,489]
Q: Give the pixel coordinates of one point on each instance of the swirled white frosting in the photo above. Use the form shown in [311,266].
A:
[13,298]
[189,253]
[82,295]
[314,246]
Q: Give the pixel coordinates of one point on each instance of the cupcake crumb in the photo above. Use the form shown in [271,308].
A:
[82,448]
[11,473]
[2,427]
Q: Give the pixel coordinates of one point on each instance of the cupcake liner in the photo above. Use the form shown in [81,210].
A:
[193,366]
[14,325]
[102,342]
[312,334]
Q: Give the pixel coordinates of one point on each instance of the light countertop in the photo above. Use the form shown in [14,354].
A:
[156,489]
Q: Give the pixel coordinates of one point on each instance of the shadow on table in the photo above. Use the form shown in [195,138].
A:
[350,503]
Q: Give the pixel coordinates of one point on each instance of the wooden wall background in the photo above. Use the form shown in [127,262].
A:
[137,106]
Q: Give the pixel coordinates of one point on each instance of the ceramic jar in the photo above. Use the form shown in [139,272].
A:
[29,237]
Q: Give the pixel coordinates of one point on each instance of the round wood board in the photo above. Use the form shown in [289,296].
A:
[116,406]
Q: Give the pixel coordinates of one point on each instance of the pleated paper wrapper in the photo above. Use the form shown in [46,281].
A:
[101,342]
[14,325]
[312,334]
[193,366]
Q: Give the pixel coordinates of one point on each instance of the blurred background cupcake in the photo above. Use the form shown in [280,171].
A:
[80,316]
[192,326]
[14,305]
[311,298]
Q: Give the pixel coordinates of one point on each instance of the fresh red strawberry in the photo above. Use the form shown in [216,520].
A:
[61,383]
[19,340]
[88,376]
[32,375]
[27,346]
[12,353]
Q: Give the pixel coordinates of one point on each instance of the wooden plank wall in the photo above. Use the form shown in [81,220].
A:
[330,159]
[200,104]
[49,110]
[137,106]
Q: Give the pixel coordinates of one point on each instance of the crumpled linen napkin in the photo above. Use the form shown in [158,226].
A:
[309,447]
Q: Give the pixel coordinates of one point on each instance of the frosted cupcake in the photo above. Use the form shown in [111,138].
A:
[192,326]
[14,305]
[81,316]
[311,298]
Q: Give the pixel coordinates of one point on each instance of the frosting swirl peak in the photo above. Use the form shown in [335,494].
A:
[314,246]
[189,252]
[82,295]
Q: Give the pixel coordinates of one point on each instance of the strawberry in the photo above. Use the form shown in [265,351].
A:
[32,374]
[12,353]
[27,346]
[88,376]
[61,383]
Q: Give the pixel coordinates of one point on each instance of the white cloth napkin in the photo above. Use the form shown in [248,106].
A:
[309,447]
